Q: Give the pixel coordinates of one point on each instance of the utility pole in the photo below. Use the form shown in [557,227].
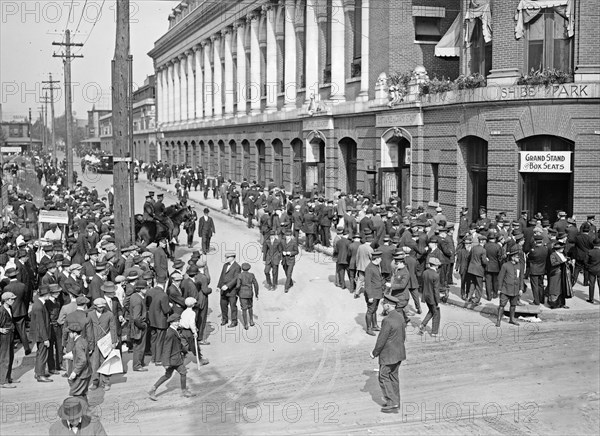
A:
[45,100]
[42,128]
[68,103]
[51,87]
[123,159]
[30,132]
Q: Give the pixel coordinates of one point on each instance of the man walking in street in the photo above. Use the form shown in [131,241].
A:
[7,349]
[228,287]
[391,352]
[431,296]
[290,251]
[206,230]
[476,272]
[510,280]
[374,285]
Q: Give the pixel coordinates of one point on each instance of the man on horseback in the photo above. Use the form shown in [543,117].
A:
[160,215]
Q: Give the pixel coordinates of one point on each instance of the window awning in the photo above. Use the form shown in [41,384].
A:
[449,45]
[529,9]
[483,10]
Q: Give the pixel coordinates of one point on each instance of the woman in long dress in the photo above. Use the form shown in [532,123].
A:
[559,278]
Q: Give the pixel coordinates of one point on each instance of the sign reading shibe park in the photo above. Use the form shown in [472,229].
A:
[545,162]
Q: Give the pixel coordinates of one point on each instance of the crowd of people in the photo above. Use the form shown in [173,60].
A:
[77,297]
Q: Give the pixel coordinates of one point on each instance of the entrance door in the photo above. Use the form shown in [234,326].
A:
[278,162]
[390,180]
[349,153]
[547,193]
[477,163]
[246,163]
[260,170]
[299,173]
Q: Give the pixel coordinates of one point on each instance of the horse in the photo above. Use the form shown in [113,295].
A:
[148,232]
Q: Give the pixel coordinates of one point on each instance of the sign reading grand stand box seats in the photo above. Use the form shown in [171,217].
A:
[545,162]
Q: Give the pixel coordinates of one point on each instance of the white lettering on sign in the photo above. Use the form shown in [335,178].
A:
[53,216]
[545,162]
[552,91]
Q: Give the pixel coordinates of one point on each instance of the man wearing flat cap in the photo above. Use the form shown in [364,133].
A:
[391,352]
[510,281]
[476,271]
[74,419]
[173,358]
[138,324]
[431,296]
[19,307]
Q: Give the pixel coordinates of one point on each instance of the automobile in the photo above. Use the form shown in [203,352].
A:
[101,164]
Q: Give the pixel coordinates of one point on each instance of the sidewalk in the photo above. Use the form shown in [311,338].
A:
[578,307]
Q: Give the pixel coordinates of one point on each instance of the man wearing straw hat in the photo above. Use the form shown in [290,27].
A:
[103,322]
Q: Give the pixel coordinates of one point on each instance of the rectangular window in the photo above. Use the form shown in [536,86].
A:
[435,182]
[481,52]
[548,44]
[427,29]
[357,29]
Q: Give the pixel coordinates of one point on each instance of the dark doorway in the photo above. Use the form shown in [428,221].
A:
[261,162]
[277,162]
[299,174]
[233,161]
[246,157]
[547,193]
[396,180]
[477,164]
[349,152]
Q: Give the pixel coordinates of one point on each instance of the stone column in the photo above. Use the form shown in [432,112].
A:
[159,95]
[254,65]
[208,81]
[364,49]
[176,91]
[312,50]
[190,84]
[198,94]
[241,68]
[271,71]
[228,74]
[289,76]
[170,93]
[338,52]
[217,77]
[184,88]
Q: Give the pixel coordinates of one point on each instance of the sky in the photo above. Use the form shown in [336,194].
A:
[28,28]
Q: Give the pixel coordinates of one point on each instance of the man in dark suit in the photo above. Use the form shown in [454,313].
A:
[391,352]
[19,308]
[341,254]
[476,271]
[99,278]
[173,358]
[272,249]
[510,281]
[289,253]
[583,244]
[493,252]
[202,281]
[25,273]
[387,258]
[138,324]
[161,262]
[593,265]
[40,333]
[228,286]
[374,285]
[537,260]
[7,349]
[206,230]
[79,379]
[158,312]
[431,296]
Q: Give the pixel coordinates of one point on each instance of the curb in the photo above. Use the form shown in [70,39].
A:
[317,247]
[486,308]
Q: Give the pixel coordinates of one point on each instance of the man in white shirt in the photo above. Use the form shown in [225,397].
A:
[54,233]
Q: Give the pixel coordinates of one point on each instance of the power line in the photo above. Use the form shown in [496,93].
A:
[81,17]
[95,21]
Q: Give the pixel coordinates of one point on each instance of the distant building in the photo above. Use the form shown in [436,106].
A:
[17,140]
[92,133]
[342,93]
[144,125]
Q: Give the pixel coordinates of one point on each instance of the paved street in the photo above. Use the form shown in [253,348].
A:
[305,368]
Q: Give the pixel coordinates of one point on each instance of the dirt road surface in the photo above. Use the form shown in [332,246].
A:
[305,369]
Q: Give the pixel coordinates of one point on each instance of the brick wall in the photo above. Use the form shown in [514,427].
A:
[587,32]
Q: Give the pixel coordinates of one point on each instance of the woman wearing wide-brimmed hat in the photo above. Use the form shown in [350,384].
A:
[559,277]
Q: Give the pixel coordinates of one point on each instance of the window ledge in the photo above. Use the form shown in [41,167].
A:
[433,204]
[353,80]
[426,42]
[325,85]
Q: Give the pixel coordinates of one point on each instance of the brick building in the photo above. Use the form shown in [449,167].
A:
[303,91]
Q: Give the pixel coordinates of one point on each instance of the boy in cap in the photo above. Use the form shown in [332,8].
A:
[246,284]
[431,296]
[189,327]
[173,358]
[103,323]
[79,378]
